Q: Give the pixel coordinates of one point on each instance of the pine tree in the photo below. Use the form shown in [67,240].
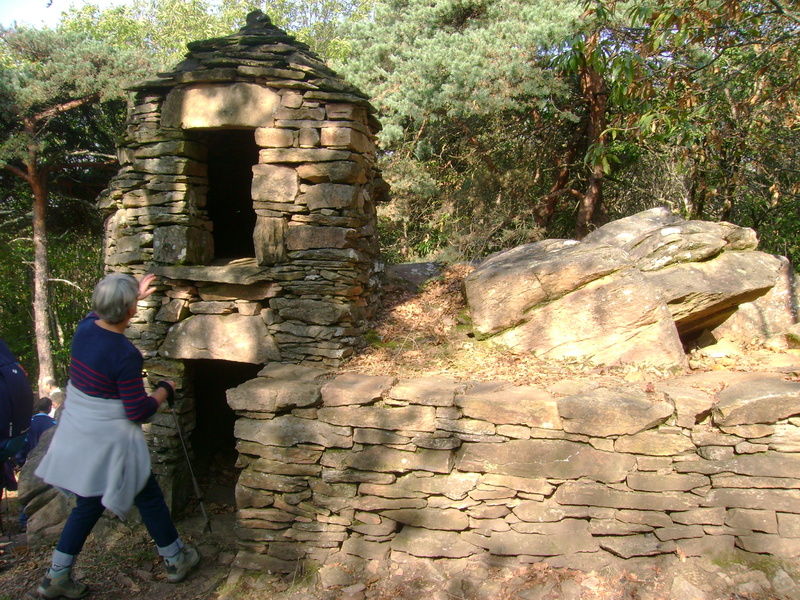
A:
[54,89]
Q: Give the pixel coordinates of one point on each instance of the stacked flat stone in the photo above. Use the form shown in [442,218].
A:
[310,290]
[314,191]
[576,475]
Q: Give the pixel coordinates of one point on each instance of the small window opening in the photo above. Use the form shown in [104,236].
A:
[231,156]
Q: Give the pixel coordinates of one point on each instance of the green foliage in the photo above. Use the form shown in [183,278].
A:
[48,64]
[488,137]
[319,23]
[61,94]
[16,283]
[45,73]
[725,99]
[166,26]
[75,266]
[453,59]
[472,118]
[163,27]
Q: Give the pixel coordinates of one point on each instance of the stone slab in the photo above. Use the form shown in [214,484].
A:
[291,431]
[559,459]
[522,405]
[232,337]
[219,105]
[426,543]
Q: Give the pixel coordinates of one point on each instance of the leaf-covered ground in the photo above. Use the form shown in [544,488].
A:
[426,332]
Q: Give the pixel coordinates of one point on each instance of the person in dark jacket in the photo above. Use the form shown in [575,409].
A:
[16,403]
[16,408]
[40,422]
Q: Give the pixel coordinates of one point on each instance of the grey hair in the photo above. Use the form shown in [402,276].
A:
[114,296]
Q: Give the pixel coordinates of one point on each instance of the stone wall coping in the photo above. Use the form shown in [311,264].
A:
[242,271]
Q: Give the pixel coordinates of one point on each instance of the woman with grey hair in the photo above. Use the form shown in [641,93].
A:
[99,453]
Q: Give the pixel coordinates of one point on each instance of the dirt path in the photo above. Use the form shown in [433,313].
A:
[119,563]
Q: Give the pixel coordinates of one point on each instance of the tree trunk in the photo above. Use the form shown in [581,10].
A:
[475,143]
[589,203]
[595,95]
[547,207]
[698,193]
[41,318]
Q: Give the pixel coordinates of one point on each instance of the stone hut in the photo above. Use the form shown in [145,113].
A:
[248,186]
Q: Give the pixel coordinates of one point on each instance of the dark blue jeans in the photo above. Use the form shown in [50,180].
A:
[87,511]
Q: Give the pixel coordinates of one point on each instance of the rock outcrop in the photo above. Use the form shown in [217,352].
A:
[564,299]
[632,291]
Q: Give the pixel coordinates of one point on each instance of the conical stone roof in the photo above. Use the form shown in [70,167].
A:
[261,53]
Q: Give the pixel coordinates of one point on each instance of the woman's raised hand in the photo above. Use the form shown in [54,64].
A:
[145,287]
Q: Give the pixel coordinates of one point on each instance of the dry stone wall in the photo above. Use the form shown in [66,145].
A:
[576,474]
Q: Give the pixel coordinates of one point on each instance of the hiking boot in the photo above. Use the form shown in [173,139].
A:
[62,584]
[178,568]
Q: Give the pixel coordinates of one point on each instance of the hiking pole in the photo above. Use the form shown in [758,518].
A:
[171,403]
[2,491]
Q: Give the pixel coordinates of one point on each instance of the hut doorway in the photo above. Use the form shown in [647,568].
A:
[213,440]
[231,156]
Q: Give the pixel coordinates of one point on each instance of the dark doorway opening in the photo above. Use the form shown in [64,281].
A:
[231,156]
[213,440]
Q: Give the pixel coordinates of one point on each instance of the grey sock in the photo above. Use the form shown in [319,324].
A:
[57,571]
[172,551]
[61,561]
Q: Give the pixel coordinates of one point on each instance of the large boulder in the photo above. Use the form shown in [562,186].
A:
[46,507]
[562,299]
[633,291]
[705,270]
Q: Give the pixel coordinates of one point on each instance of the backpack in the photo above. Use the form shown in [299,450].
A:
[16,397]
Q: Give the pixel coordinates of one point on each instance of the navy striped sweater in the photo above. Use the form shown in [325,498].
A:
[105,364]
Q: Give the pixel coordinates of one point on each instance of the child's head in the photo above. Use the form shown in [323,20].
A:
[45,405]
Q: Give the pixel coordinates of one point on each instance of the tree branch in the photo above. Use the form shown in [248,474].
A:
[782,10]
[80,165]
[17,171]
[75,285]
[14,221]
[62,108]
